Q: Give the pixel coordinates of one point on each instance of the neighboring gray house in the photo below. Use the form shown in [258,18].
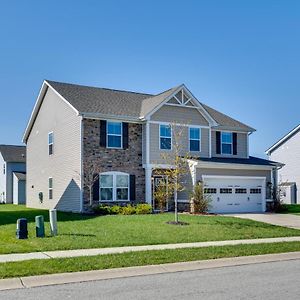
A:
[78,132]
[12,161]
[287,151]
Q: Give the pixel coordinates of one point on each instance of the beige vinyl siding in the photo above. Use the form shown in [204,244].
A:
[181,115]
[160,156]
[242,146]
[64,165]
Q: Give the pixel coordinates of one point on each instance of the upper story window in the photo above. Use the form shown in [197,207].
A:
[50,188]
[50,143]
[4,169]
[165,137]
[114,134]
[195,137]
[114,186]
[226,142]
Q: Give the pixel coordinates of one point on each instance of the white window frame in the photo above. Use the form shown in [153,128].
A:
[114,187]
[190,139]
[166,137]
[50,144]
[227,143]
[113,134]
[50,188]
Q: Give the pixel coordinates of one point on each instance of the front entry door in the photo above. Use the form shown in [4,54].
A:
[157,179]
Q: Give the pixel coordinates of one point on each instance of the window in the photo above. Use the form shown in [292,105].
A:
[165,137]
[255,191]
[50,143]
[114,186]
[114,134]
[210,191]
[226,142]
[50,188]
[225,191]
[241,191]
[194,134]
[4,169]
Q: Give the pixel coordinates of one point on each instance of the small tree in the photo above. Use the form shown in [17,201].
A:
[177,160]
[200,202]
[91,175]
[161,194]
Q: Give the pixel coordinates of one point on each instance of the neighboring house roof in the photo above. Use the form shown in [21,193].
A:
[94,101]
[12,153]
[283,139]
[244,161]
[20,176]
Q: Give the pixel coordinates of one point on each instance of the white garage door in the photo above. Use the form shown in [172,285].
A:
[235,194]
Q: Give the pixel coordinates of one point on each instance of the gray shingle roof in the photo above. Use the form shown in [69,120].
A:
[244,161]
[94,100]
[20,176]
[12,153]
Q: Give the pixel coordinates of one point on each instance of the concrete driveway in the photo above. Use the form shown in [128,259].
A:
[286,220]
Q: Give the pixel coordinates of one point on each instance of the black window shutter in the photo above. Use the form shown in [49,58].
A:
[132,187]
[234,143]
[102,133]
[125,135]
[218,142]
[96,187]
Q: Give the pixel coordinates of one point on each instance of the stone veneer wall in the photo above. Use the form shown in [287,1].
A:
[123,160]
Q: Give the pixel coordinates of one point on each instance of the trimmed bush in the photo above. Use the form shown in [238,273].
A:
[102,210]
[115,210]
[143,209]
[128,210]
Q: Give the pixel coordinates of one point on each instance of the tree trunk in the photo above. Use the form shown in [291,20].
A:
[91,197]
[176,202]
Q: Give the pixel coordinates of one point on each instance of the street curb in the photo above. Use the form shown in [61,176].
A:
[77,277]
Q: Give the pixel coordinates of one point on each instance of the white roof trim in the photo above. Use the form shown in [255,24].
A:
[217,165]
[192,99]
[37,106]
[282,140]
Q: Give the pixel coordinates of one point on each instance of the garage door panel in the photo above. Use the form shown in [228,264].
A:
[234,194]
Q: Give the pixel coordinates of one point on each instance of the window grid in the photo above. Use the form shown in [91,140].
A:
[50,143]
[210,190]
[255,191]
[226,143]
[195,139]
[114,137]
[50,188]
[118,190]
[225,191]
[241,191]
[165,137]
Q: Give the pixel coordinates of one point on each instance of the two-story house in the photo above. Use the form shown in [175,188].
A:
[12,174]
[286,150]
[77,130]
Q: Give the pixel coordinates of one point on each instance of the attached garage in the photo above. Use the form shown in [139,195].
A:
[235,194]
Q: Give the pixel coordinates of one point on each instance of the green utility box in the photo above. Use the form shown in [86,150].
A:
[39,226]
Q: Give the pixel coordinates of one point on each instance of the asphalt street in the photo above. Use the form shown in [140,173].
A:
[276,280]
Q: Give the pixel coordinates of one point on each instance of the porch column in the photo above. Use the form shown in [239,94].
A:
[148,184]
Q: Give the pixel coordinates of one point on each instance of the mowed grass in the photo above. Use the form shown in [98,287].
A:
[78,232]
[51,266]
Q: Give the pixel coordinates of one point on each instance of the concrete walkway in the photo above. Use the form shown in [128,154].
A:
[76,277]
[286,220]
[115,250]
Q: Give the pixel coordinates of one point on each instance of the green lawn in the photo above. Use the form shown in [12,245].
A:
[76,231]
[291,209]
[51,266]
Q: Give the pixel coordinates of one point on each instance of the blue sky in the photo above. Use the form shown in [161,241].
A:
[240,57]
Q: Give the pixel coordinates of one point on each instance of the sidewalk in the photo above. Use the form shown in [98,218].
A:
[76,277]
[101,251]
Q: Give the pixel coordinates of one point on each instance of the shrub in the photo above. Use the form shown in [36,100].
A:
[143,209]
[115,210]
[102,210]
[200,202]
[128,210]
